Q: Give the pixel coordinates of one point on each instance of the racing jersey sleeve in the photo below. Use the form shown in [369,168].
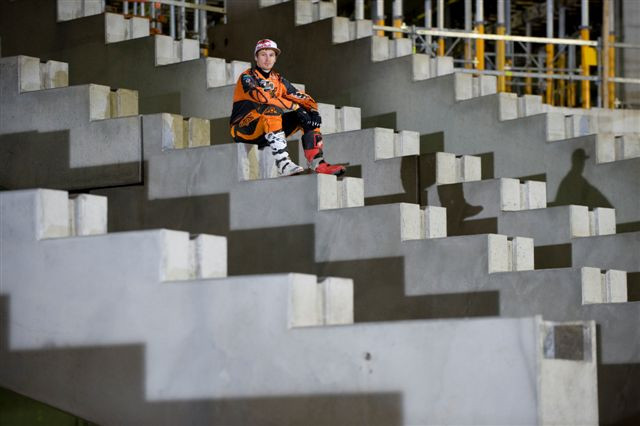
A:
[300,98]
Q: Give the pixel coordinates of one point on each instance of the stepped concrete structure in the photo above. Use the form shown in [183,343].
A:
[361,295]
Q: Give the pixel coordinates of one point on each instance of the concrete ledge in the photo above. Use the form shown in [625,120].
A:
[508,105]
[208,256]
[348,118]
[29,73]
[329,118]
[350,192]
[175,262]
[99,102]
[123,103]
[484,85]
[336,300]
[521,254]
[434,222]
[74,9]
[400,47]
[463,86]
[607,287]
[406,143]
[383,143]
[602,221]
[441,65]
[54,74]
[421,67]
[234,69]
[341,30]
[87,215]
[522,196]
[452,168]
[115,27]
[379,48]
[216,72]
[411,222]
[509,254]
[303,12]
[197,132]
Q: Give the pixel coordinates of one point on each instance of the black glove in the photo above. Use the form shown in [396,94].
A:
[310,119]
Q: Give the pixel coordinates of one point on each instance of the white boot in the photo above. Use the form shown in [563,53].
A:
[278,144]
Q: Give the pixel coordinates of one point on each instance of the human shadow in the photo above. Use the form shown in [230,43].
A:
[576,189]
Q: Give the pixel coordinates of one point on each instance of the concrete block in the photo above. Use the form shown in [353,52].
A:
[350,192]
[348,118]
[304,12]
[165,51]
[508,104]
[92,7]
[411,222]
[189,49]
[208,256]
[605,147]
[604,123]
[446,170]
[87,215]
[267,164]
[172,132]
[498,253]
[267,3]
[421,66]
[442,65]
[602,221]
[401,47]
[555,126]
[533,195]
[628,146]
[69,9]
[631,120]
[610,287]
[137,27]
[328,114]
[509,194]
[54,74]
[379,48]
[234,69]
[29,74]
[114,28]
[616,286]
[52,214]
[463,86]
[248,163]
[198,132]
[336,295]
[529,105]
[521,254]
[175,263]
[305,306]
[578,125]
[99,102]
[124,103]
[468,168]
[580,221]
[406,143]
[383,141]
[216,72]
[326,10]
[327,192]
[364,28]
[341,29]
[434,222]
[484,85]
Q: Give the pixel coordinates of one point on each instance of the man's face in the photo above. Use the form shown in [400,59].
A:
[265,59]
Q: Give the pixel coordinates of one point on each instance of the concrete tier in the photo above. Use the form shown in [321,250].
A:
[609,251]
[181,330]
[386,90]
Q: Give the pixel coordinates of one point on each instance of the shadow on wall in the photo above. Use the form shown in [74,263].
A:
[41,159]
[106,385]
[575,189]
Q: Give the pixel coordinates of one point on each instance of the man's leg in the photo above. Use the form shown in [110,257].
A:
[266,128]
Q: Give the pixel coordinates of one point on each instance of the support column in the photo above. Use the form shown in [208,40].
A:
[397,17]
[441,27]
[528,81]
[562,58]
[550,53]
[468,57]
[480,30]
[125,7]
[359,10]
[378,15]
[172,21]
[509,44]
[500,48]
[428,15]
[584,35]
[571,93]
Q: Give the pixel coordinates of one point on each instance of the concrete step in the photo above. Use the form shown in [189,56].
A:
[68,10]
[613,251]
[169,51]
[131,276]
[120,27]
[65,131]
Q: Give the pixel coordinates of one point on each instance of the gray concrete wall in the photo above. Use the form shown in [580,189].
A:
[118,291]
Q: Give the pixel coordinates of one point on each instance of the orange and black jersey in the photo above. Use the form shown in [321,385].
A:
[254,90]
